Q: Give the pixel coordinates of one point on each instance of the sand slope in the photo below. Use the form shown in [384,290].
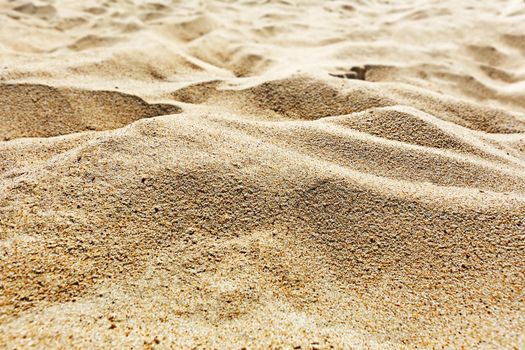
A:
[262,174]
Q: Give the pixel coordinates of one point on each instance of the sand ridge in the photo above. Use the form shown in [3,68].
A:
[262,174]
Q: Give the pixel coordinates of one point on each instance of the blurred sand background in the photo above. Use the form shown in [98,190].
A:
[262,174]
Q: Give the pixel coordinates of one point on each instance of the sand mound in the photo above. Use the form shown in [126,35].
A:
[318,175]
[284,215]
[304,97]
[296,98]
[41,111]
[42,11]
[403,125]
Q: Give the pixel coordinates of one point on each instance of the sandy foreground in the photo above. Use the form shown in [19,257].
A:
[262,174]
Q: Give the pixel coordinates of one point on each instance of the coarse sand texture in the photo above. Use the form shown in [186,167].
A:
[262,174]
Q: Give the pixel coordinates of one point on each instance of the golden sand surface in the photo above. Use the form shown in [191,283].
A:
[262,174]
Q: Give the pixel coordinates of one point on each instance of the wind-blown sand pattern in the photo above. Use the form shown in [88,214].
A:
[262,174]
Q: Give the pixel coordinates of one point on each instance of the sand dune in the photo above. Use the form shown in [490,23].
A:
[262,174]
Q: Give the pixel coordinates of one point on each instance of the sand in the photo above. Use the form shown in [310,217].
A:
[262,174]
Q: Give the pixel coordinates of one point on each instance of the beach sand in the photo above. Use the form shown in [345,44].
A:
[262,174]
